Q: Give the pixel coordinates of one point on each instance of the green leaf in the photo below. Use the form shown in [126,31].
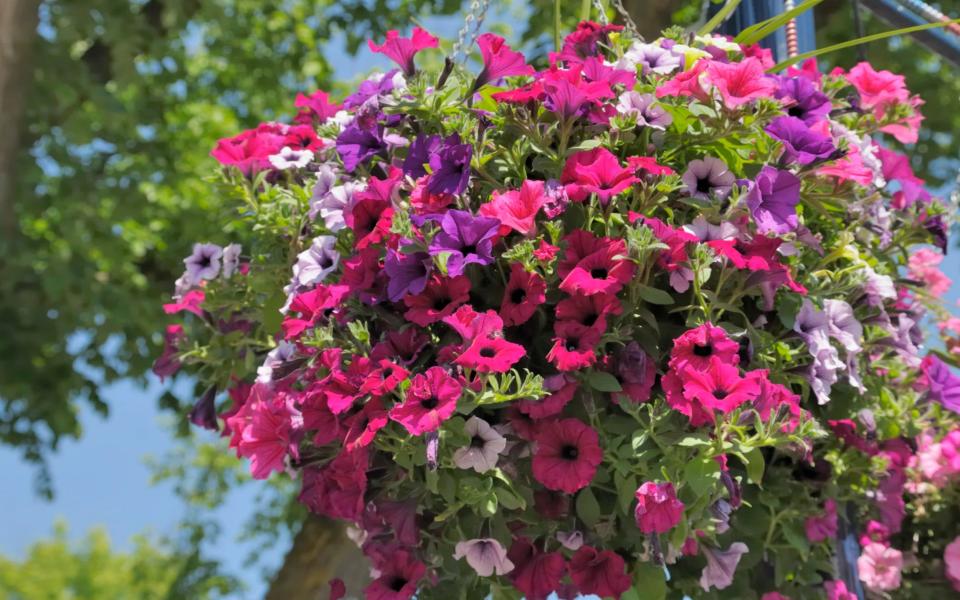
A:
[864,40]
[701,475]
[654,295]
[588,509]
[509,500]
[755,465]
[691,441]
[603,382]
[650,582]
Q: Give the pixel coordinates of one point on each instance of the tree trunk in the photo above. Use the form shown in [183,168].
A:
[18,28]
[320,552]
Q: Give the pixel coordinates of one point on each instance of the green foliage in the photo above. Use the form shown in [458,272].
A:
[93,570]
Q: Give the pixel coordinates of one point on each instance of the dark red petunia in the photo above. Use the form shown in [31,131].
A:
[599,572]
[536,574]
[525,291]
[439,299]
[567,455]
[589,311]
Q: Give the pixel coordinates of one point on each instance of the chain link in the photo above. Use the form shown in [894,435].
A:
[627,19]
[471,28]
[601,12]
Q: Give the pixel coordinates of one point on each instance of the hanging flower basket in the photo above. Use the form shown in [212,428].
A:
[641,324]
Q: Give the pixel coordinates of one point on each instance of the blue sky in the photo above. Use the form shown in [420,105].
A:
[102,479]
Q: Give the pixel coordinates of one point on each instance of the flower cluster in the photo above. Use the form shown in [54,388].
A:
[651,307]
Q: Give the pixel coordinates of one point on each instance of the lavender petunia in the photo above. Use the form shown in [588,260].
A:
[773,200]
[421,151]
[801,145]
[651,58]
[721,565]
[467,238]
[706,177]
[332,204]
[843,325]
[203,263]
[803,100]
[572,540]
[407,273]
[645,109]
[231,259]
[316,262]
[486,445]
[377,85]
[450,167]
[486,556]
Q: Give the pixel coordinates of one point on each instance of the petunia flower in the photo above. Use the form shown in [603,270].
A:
[467,239]
[562,389]
[357,144]
[407,274]
[943,386]
[399,577]
[167,363]
[567,94]
[486,445]
[880,567]
[585,40]
[203,263]
[516,209]
[707,177]
[951,561]
[316,262]
[636,371]
[574,346]
[525,291]
[316,107]
[877,88]
[491,355]
[697,347]
[383,377]
[450,167]
[801,145]
[289,158]
[536,573]
[803,100]
[419,153]
[499,60]
[231,260]
[430,400]
[719,387]
[658,509]
[589,311]
[604,271]
[644,109]
[822,527]
[721,565]
[567,455]
[572,540]
[596,171]
[269,436]
[485,556]
[189,302]
[337,489]
[402,50]
[440,298]
[599,572]
[837,590]
[772,199]
[688,84]
[652,59]
[741,82]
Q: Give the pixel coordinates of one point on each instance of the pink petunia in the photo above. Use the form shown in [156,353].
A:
[658,509]
[516,209]
[837,590]
[951,562]
[924,265]
[574,346]
[401,50]
[604,271]
[430,400]
[822,527]
[696,347]
[336,490]
[880,567]
[315,107]
[596,171]
[190,302]
[689,83]
[877,88]
[268,438]
[720,387]
[309,308]
[567,455]
[400,575]
[741,82]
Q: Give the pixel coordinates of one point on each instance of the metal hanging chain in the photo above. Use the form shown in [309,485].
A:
[601,12]
[627,19]
[470,30]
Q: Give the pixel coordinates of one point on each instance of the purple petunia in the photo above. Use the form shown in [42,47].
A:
[773,200]
[801,145]
[943,385]
[407,273]
[803,100]
[357,144]
[421,151]
[467,238]
[203,263]
[450,167]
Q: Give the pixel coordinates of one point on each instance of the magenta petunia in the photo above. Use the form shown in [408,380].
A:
[499,60]
[567,455]
[604,271]
[400,575]
[430,400]
[696,347]
[658,509]
[487,354]
[741,82]
[599,572]
[516,209]
[524,293]
[719,387]
[441,297]
[336,490]
[574,346]
[589,311]
[536,574]
[401,50]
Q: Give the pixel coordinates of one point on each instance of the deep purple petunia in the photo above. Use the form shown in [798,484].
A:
[943,384]
[450,167]
[773,200]
[407,273]
[803,100]
[801,145]
[204,412]
[357,144]
[421,151]
[467,238]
